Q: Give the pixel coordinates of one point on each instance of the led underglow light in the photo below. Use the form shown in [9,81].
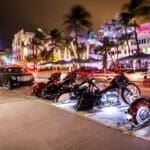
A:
[129,117]
[110,110]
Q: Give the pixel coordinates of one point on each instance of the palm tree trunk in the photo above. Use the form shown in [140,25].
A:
[34,57]
[105,60]
[129,51]
[117,54]
[138,47]
[76,40]
[113,62]
[136,39]
[117,49]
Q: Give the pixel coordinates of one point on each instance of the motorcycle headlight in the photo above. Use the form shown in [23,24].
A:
[14,77]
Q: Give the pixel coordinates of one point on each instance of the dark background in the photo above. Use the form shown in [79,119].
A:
[48,14]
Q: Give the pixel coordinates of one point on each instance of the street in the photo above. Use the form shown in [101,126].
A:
[30,123]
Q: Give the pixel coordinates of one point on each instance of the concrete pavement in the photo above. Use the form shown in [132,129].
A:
[28,123]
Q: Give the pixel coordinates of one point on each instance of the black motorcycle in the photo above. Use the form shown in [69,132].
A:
[119,86]
[76,90]
[53,91]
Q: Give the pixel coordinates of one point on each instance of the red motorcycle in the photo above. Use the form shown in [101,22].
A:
[37,88]
[140,112]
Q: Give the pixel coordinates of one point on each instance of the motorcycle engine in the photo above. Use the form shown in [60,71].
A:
[110,98]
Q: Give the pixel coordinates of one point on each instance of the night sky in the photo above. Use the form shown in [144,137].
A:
[49,14]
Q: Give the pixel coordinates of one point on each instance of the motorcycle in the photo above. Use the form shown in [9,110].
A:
[75,91]
[37,88]
[139,112]
[53,91]
[119,86]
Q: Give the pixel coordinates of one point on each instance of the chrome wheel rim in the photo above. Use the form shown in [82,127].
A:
[132,93]
[143,114]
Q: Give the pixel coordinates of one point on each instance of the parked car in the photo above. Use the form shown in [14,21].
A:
[15,76]
[146,79]
[138,76]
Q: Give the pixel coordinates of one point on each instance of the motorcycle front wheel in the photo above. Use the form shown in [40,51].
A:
[34,91]
[63,98]
[130,93]
[43,93]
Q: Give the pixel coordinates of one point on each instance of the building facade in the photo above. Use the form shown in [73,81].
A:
[21,45]
[143,35]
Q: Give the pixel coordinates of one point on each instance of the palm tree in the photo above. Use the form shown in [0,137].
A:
[38,40]
[62,41]
[112,38]
[77,21]
[116,28]
[104,51]
[55,34]
[56,38]
[123,20]
[136,10]
[65,43]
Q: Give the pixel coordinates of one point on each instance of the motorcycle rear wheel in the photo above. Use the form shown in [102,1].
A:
[140,111]
[9,84]
[63,98]
[131,93]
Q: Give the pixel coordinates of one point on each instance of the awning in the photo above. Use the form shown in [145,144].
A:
[135,57]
